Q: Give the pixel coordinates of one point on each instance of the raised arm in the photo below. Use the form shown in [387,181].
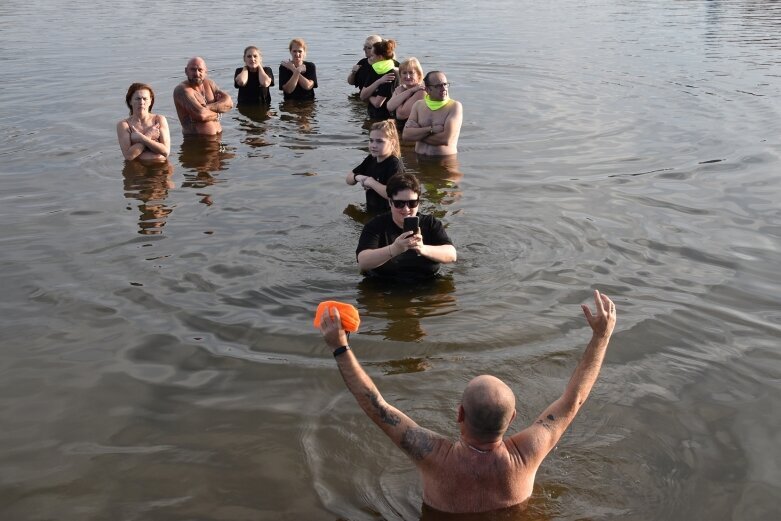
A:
[537,440]
[241,78]
[418,443]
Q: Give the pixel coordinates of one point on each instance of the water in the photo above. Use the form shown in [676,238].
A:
[158,359]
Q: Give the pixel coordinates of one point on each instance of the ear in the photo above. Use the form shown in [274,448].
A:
[460,416]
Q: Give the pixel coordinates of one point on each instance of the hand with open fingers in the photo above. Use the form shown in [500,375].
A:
[331,327]
[604,321]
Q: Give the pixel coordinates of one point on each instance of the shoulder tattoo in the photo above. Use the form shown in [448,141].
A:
[417,442]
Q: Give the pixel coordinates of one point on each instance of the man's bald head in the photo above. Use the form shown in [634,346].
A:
[489,407]
[196,70]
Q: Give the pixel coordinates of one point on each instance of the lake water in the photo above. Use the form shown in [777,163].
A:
[158,356]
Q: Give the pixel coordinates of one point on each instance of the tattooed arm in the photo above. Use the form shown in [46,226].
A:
[418,443]
[537,440]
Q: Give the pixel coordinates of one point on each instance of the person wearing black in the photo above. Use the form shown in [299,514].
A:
[383,162]
[357,76]
[385,249]
[253,80]
[297,78]
[380,80]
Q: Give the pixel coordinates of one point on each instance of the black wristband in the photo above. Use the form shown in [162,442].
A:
[341,350]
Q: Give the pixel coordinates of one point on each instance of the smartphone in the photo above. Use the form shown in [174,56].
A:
[411,223]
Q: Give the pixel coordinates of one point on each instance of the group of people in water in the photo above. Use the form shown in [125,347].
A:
[404,105]
[483,470]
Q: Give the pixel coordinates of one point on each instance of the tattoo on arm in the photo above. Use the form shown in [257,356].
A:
[385,415]
[417,442]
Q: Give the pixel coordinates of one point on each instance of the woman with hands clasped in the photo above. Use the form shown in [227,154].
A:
[379,82]
[386,250]
[382,163]
[143,136]
[297,78]
[410,90]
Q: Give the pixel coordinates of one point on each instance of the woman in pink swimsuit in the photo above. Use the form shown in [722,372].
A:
[143,135]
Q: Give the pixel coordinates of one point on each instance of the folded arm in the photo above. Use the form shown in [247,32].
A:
[197,111]
[222,101]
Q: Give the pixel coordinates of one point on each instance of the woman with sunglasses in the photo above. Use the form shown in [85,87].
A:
[385,249]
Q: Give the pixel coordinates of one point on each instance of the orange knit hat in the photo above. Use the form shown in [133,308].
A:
[347,313]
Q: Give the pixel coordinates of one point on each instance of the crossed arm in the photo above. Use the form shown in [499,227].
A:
[418,443]
[196,109]
[134,143]
[537,440]
[296,78]
[440,135]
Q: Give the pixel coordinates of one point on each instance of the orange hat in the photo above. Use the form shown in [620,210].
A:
[347,313]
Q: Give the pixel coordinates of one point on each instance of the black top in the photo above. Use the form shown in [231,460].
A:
[363,70]
[252,93]
[386,89]
[298,93]
[382,231]
[382,172]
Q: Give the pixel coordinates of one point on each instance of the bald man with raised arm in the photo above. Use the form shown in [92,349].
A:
[483,470]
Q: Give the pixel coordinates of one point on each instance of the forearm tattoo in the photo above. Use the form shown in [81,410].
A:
[417,442]
[385,415]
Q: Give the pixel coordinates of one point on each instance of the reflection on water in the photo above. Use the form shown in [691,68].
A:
[150,185]
[301,113]
[402,306]
[202,155]
[439,177]
[254,124]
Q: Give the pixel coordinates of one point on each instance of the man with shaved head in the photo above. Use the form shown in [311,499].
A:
[199,101]
[483,470]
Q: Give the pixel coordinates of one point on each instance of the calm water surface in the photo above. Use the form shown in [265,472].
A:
[158,357]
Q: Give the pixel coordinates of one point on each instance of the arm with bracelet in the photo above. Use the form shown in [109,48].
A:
[418,443]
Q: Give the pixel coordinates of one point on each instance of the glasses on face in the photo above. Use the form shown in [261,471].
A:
[440,85]
[367,47]
[413,203]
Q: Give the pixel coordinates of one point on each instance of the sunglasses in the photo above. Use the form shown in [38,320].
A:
[410,204]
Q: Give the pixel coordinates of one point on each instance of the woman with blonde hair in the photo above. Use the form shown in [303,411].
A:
[382,163]
[297,78]
[410,90]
